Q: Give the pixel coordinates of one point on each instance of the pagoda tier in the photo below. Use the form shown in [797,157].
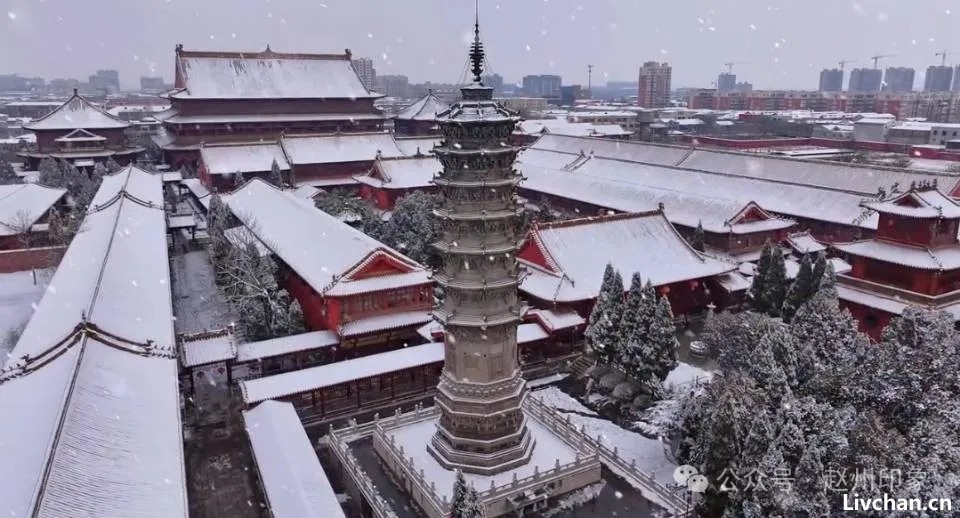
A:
[481,427]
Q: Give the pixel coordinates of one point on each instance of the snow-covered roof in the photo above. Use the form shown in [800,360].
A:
[565,127]
[424,109]
[385,322]
[76,113]
[526,333]
[243,158]
[199,191]
[340,147]
[733,282]
[918,203]
[689,196]
[313,378]
[805,243]
[556,319]
[266,75]
[402,173]
[207,347]
[321,249]
[28,202]
[294,482]
[780,170]
[94,391]
[80,135]
[252,351]
[245,118]
[411,146]
[379,283]
[307,192]
[947,258]
[576,250]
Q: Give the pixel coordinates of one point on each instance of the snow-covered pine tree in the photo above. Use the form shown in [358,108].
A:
[72,177]
[819,270]
[603,332]
[99,171]
[775,283]
[112,165]
[802,288]
[276,175]
[220,249]
[472,507]
[458,502]
[412,228]
[663,340]
[697,240]
[187,172]
[632,330]
[7,175]
[295,322]
[50,173]
[759,287]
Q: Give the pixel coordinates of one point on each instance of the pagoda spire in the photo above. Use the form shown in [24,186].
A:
[476,49]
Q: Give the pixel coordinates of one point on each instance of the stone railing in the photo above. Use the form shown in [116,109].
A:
[351,467]
[585,460]
[653,490]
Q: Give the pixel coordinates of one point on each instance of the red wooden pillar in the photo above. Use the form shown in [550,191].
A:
[356,387]
[393,390]
[322,406]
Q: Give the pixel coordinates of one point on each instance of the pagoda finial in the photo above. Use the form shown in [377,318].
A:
[476,50]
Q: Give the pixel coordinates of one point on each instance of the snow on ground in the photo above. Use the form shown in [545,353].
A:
[684,374]
[197,303]
[561,401]
[649,454]
[19,296]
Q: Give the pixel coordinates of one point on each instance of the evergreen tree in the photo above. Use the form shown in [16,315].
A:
[188,171]
[50,173]
[802,288]
[217,217]
[72,178]
[662,340]
[7,174]
[759,287]
[632,329]
[99,171]
[458,503]
[828,284]
[819,270]
[473,508]
[775,283]
[112,165]
[412,229]
[603,332]
[697,241]
[276,175]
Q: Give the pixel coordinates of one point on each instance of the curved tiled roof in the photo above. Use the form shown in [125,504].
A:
[76,113]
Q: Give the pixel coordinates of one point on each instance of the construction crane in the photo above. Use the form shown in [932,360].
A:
[730,65]
[943,57]
[844,62]
[876,59]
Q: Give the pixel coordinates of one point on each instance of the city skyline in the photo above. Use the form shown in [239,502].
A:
[779,42]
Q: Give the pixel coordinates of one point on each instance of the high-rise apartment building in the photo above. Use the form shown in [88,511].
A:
[866,80]
[938,78]
[366,71]
[653,90]
[898,79]
[726,82]
[105,80]
[543,85]
[831,80]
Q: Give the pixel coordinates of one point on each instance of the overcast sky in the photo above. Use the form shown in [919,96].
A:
[784,43]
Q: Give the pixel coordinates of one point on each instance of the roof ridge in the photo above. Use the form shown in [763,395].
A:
[83,100]
[227,54]
[595,219]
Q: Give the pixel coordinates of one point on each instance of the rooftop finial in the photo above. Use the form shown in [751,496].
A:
[476,50]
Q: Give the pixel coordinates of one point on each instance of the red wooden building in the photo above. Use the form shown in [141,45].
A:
[371,296]
[914,260]
[420,118]
[249,96]
[25,208]
[565,262]
[392,178]
[81,133]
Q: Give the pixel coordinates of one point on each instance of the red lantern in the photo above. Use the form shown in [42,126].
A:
[664,290]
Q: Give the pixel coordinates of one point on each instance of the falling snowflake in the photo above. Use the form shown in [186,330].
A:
[12,15]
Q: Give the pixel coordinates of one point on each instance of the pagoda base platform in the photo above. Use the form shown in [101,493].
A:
[560,462]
